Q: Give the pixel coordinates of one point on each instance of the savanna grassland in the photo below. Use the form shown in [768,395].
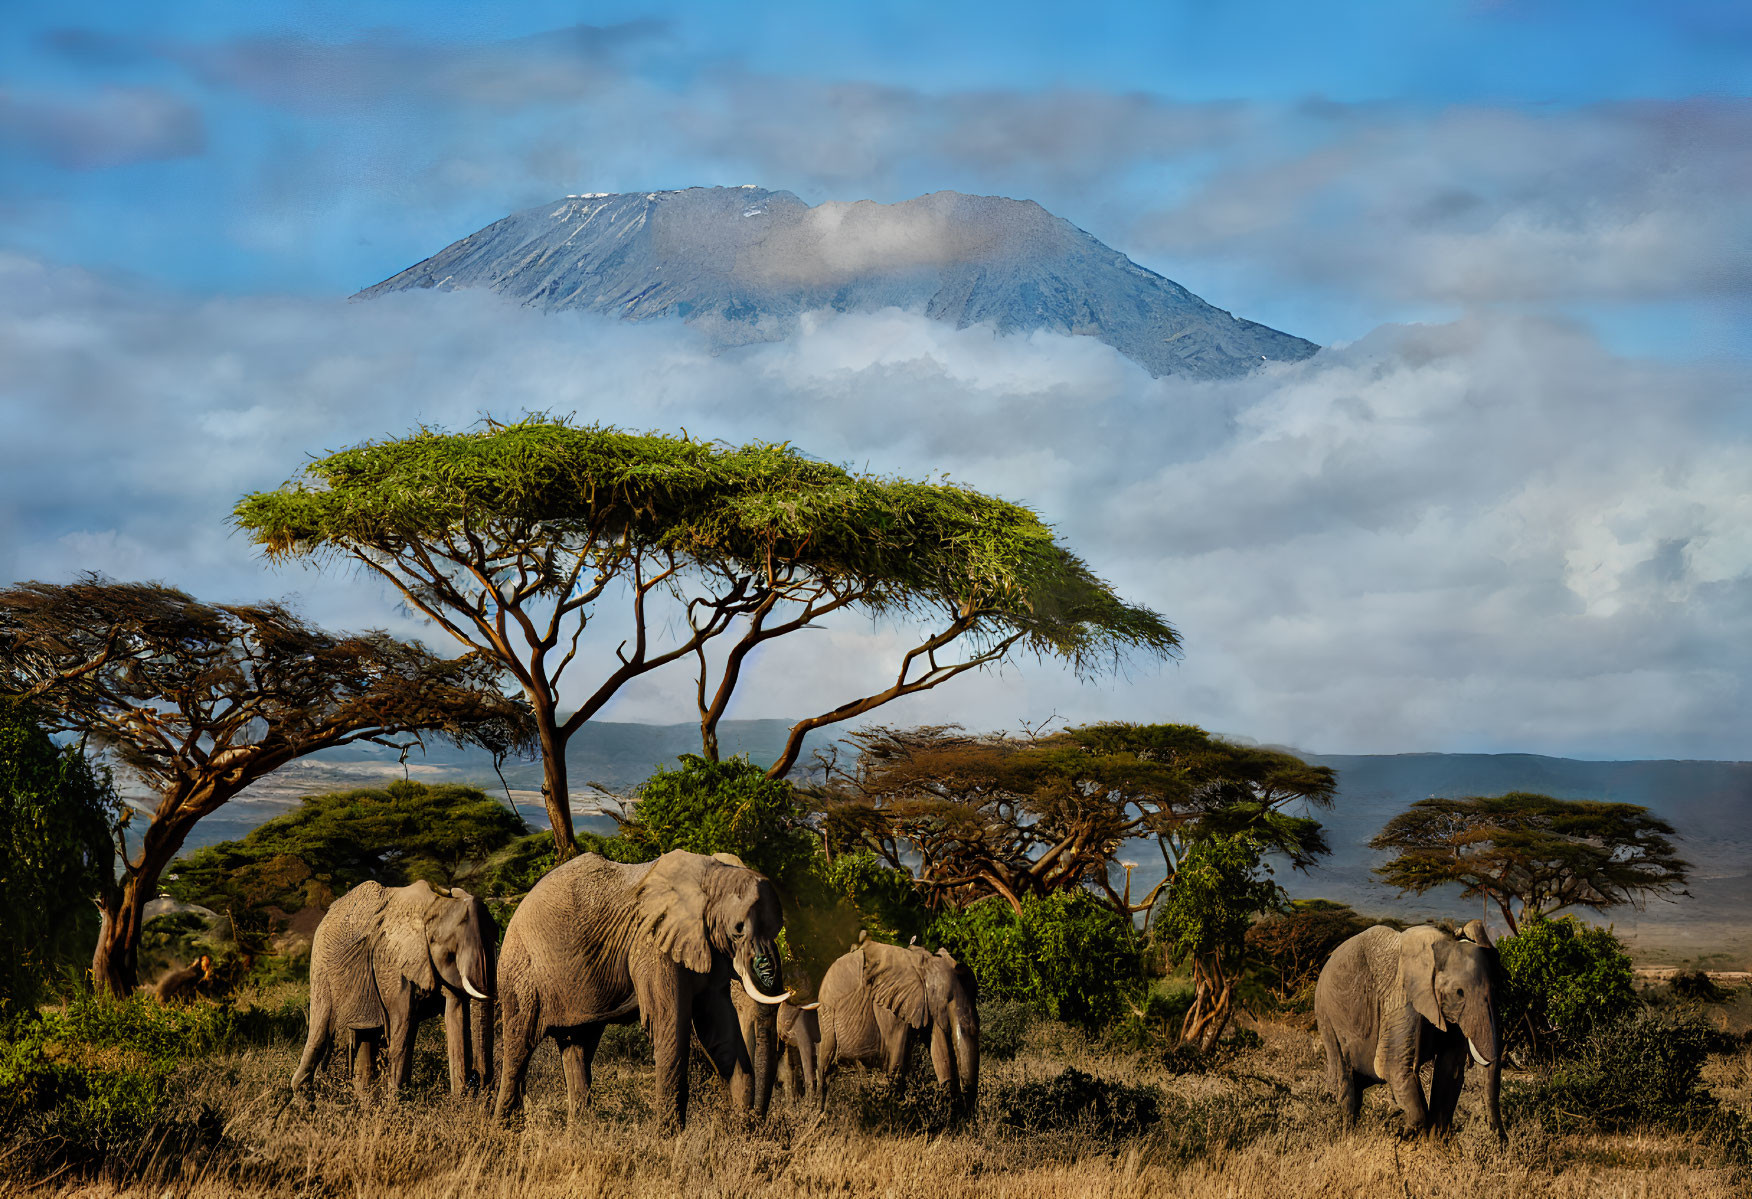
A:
[1253,1121]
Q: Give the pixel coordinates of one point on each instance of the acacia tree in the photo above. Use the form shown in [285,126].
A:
[200,700]
[514,538]
[1539,853]
[970,815]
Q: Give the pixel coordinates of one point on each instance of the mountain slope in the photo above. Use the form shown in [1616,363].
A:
[743,263]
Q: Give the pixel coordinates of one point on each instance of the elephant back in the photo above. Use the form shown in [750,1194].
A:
[342,957]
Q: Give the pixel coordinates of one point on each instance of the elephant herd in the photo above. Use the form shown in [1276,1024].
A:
[688,946]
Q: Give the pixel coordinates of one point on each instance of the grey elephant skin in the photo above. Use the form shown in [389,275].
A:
[877,999]
[596,942]
[1389,1002]
[799,1032]
[379,958]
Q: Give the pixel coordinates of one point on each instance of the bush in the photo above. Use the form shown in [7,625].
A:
[1069,956]
[724,807]
[1639,1070]
[1696,986]
[1003,1028]
[80,1085]
[55,852]
[1078,1101]
[1563,979]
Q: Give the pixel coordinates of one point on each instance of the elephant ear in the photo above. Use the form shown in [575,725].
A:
[1417,970]
[969,983]
[671,900]
[896,981]
[403,945]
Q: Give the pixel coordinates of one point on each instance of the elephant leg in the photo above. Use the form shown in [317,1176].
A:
[1450,1072]
[824,1051]
[811,1071]
[793,1071]
[719,1028]
[456,1042]
[668,1012]
[320,1041]
[1343,1081]
[401,1054]
[577,1052]
[364,1063]
[897,1053]
[521,1033]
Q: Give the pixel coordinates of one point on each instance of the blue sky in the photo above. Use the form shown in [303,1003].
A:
[1502,511]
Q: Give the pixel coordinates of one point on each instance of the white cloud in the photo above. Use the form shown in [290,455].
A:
[1490,534]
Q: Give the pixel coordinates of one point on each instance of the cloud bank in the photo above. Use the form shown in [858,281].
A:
[1490,534]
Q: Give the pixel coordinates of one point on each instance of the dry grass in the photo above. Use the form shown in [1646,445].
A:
[1260,1126]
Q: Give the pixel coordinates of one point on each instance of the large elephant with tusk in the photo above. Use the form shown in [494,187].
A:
[597,942]
[380,956]
[1389,1002]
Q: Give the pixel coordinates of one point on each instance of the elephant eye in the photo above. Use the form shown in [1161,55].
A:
[1460,992]
[739,924]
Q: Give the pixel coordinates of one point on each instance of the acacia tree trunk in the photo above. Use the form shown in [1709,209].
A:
[556,793]
[1213,1003]
[115,964]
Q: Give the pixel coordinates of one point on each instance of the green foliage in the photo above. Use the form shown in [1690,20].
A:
[1068,955]
[1542,853]
[1642,1069]
[94,1079]
[1215,897]
[1564,979]
[393,835]
[549,486]
[1077,1101]
[723,807]
[885,899]
[55,852]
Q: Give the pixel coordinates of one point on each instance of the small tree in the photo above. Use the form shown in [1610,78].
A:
[723,807]
[974,815]
[511,538]
[200,700]
[1205,917]
[1565,979]
[55,814]
[1288,948]
[1532,854]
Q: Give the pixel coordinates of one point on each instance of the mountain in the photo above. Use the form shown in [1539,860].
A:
[743,263]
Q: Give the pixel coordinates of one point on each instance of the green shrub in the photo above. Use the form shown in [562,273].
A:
[1563,979]
[1153,1024]
[1069,956]
[724,807]
[1003,1028]
[55,851]
[1641,1070]
[885,899]
[92,1080]
[1078,1101]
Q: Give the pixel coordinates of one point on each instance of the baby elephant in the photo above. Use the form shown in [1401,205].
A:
[1388,1002]
[877,999]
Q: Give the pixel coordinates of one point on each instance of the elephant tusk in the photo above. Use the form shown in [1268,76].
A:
[474,994]
[1476,1056]
[808,1007]
[754,992]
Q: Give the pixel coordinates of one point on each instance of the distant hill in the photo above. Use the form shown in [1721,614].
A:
[1710,803]
[743,263]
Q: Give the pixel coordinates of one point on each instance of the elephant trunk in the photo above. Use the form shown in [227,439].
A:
[965,1036]
[480,1025]
[1483,1034]
[765,1057]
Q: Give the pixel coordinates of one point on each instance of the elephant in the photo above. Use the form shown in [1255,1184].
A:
[597,942]
[1387,1002]
[379,956]
[181,984]
[876,997]
[799,1033]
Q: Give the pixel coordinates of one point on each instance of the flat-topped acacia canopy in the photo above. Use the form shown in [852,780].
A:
[506,535]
